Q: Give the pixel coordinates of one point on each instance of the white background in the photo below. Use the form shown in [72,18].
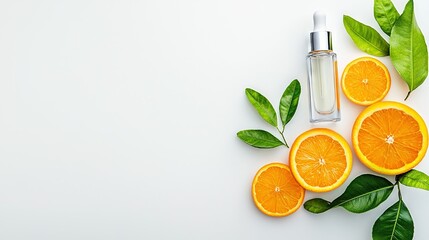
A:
[118,119]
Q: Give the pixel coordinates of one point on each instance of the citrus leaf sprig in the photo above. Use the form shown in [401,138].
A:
[288,104]
[368,191]
[407,49]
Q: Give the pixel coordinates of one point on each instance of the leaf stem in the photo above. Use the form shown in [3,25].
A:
[399,191]
[408,94]
[281,133]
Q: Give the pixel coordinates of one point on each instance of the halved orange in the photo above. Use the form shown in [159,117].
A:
[365,81]
[275,190]
[320,159]
[390,137]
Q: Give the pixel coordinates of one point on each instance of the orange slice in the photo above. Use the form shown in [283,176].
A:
[275,190]
[320,160]
[365,81]
[390,137]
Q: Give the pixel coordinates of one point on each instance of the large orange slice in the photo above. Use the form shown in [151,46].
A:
[365,81]
[275,191]
[320,160]
[390,137]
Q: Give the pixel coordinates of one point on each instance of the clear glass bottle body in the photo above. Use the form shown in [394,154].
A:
[323,86]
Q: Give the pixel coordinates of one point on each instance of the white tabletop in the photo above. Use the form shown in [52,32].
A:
[118,119]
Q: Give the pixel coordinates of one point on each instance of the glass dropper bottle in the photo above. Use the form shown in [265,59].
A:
[322,74]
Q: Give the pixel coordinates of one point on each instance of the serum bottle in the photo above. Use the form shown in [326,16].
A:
[322,74]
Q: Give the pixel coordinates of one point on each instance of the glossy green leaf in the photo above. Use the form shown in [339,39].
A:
[263,106]
[408,49]
[259,138]
[395,223]
[386,15]
[289,101]
[317,205]
[415,178]
[365,37]
[364,193]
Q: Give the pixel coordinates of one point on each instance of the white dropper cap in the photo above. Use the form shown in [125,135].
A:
[319,19]
[320,38]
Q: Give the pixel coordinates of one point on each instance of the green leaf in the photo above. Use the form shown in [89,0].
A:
[289,101]
[364,193]
[317,205]
[263,106]
[395,223]
[259,138]
[415,178]
[365,37]
[386,15]
[409,52]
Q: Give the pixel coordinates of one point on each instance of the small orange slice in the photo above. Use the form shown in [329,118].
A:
[365,81]
[320,160]
[390,137]
[275,190]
